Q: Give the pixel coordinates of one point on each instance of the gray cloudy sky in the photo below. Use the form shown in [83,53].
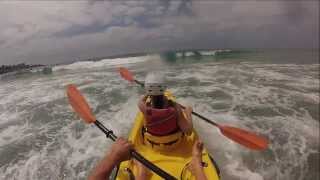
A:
[62,31]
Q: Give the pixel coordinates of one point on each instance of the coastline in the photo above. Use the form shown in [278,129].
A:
[5,69]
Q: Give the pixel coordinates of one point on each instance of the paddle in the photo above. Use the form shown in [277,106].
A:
[241,136]
[81,107]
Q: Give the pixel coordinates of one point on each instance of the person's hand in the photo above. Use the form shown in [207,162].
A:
[196,162]
[188,111]
[185,119]
[197,149]
[120,150]
[141,104]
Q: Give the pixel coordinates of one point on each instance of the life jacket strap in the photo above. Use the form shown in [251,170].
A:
[162,143]
[160,122]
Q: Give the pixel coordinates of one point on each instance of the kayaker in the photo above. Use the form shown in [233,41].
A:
[163,117]
[120,151]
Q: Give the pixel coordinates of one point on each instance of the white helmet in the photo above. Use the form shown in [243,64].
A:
[155,84]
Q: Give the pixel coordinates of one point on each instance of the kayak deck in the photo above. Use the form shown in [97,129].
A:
[173,161]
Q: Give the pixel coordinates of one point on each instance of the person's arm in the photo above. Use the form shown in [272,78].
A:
[185,119]
[120,151]
[195,166]
[199,173]
[104,168]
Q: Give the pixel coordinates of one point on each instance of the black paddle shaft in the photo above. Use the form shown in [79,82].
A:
[140,83]
[136,155]
[200,116]
[194,113]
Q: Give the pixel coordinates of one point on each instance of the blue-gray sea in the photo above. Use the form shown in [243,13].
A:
[274,93]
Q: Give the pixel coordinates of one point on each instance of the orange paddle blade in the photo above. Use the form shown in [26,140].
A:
[245,138]
[126,74]
[79,104]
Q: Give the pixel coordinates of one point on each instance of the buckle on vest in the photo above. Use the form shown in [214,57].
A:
[158,144]
[162,143]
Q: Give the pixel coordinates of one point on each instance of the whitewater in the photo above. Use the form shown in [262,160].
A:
[42,138]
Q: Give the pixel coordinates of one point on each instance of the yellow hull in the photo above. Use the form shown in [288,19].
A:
[173,160]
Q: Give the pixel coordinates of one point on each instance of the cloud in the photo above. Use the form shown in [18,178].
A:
[51,32]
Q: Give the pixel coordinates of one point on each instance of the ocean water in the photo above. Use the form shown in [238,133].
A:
[274,93]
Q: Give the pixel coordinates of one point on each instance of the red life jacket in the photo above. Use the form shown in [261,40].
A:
[159,122]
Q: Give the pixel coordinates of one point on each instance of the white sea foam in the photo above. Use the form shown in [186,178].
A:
[179,54]
[240,172]
[64,148]
[214,52]
[203,53]
[208,53]
[11,134]
[104,63]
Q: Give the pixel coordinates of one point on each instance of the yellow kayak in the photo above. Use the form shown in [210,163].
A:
[171,153]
